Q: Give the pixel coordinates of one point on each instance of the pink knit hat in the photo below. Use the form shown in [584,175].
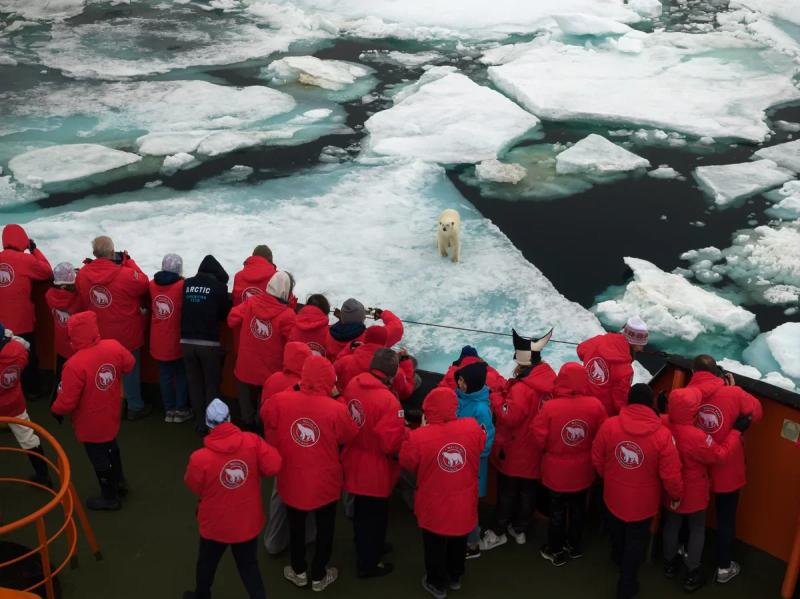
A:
[635,331]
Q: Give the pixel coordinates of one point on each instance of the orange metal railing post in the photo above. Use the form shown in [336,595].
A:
[84,520]
[44,554]
[793,566]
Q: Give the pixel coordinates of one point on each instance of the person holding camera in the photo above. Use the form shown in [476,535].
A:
[18,270]
[113,287]
[721,406]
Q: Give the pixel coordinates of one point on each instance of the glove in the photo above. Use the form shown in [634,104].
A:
[58,418]
[661,403]
[377,312]
[743,422]
[31,245]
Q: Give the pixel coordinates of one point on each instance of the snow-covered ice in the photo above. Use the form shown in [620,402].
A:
[595,155]
[786,155]
[787,201]
[730,182]
[647,8]
[772,378]
[448,120]
[713,84]
[43,9]
[58,168]
[664,172]
[331,75]
[178,162]
[674,309]
[500,172]
[777,350]
[581,24]
[492,288]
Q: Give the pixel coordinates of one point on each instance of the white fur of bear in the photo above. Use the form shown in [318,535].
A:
[448,234]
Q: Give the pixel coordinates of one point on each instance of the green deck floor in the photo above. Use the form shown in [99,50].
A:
[150,546]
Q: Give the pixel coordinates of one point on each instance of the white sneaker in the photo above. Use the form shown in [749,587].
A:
[519,537]
[491,540]
[170,416]
[331,574]
[726,574]
[179,416]
[299,580]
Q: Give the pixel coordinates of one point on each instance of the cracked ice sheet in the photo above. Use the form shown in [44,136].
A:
[424,19]
[727,183]
[712,84]
[448,118]
[389,260]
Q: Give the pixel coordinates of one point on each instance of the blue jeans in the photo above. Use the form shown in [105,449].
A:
[132,384]
[172,379]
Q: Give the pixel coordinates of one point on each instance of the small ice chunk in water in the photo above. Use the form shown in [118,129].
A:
[500,172]
[673,308]
[787,126]
[782,294]
[332,75]
[594,154]
[647,8]
[777,350]
[583,24]
[710,253]
[786,155]
[730,182]
[449,120]
[787,201]
[664,172]
[55,168]
[178,162]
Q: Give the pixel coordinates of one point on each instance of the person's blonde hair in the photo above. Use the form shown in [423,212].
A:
[103,247]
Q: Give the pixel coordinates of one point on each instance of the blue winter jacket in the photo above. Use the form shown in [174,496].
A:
[476,405]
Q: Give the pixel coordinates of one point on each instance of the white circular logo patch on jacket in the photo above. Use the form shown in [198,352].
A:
[598,372]
[305,432]
[261,329]
[60,317]
[9,377]
[574,432]
[105,376]
[709,418]
[356,410]
[233,474]
[162,307]
[6,274]
[452,457]
[250,292]
[629,455]
[100,297]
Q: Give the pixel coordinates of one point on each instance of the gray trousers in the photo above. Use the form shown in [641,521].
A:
[697,536]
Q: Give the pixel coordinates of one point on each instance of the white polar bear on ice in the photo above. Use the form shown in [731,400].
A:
[448,234]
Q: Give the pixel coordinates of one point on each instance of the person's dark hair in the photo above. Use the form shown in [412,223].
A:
[386,361]
[320,301]
[704,363]
[642,394]
[264,252]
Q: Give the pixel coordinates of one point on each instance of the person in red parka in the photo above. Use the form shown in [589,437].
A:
[564,430]
[91,393]
[722,404]
[698,451]
[311,325]
[635,455]
[469,355]
[263,324]
[13,358]
[295,354]
[63,301]
[350,327]
[226,475]
[308,427]
[18,270]
[370,468]
[113,287]
[515,454]
[445,455]
[254,277]
[166,299]
[608,361]
[348,365]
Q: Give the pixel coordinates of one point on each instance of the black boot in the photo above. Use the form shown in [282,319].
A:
[672,567]
[109,500]
[119,476]
[41,474]
[694,580]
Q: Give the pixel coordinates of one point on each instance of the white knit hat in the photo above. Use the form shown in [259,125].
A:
[281,285]
[217,412]
[635,331]
[64,274]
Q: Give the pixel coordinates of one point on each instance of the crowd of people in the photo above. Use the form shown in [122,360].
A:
[321,408]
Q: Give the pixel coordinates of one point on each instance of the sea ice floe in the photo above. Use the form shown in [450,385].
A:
[713,84]
[331,75]
[492,288]
[581,24]
[647,8]
[786,155]
[449,119]
[730,182]
[777,350]
[66,167]
[178,162]
[675,310]
[786,201]
[772,378]
[664,172]
[595,155]
[500,172]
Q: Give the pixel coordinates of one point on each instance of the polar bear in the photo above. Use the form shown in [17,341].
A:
[448,234]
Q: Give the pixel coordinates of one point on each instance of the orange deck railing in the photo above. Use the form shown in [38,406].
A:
[63,496]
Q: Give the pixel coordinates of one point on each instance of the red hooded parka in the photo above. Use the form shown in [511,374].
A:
[445,456]
[18,269]
[697,449]
[311,327]
[165,320]
[307,427]
[635,454]
[114,293]
[252,279]
[394,333]
[721,405]
[226,475]
[607,359]
[515,452]
[368,460]
[294,356]
[91,384]
[263,324]
[13,359]
[564,430]
[63,304]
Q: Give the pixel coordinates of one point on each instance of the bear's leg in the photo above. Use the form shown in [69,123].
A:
[456,255]
[442,245]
